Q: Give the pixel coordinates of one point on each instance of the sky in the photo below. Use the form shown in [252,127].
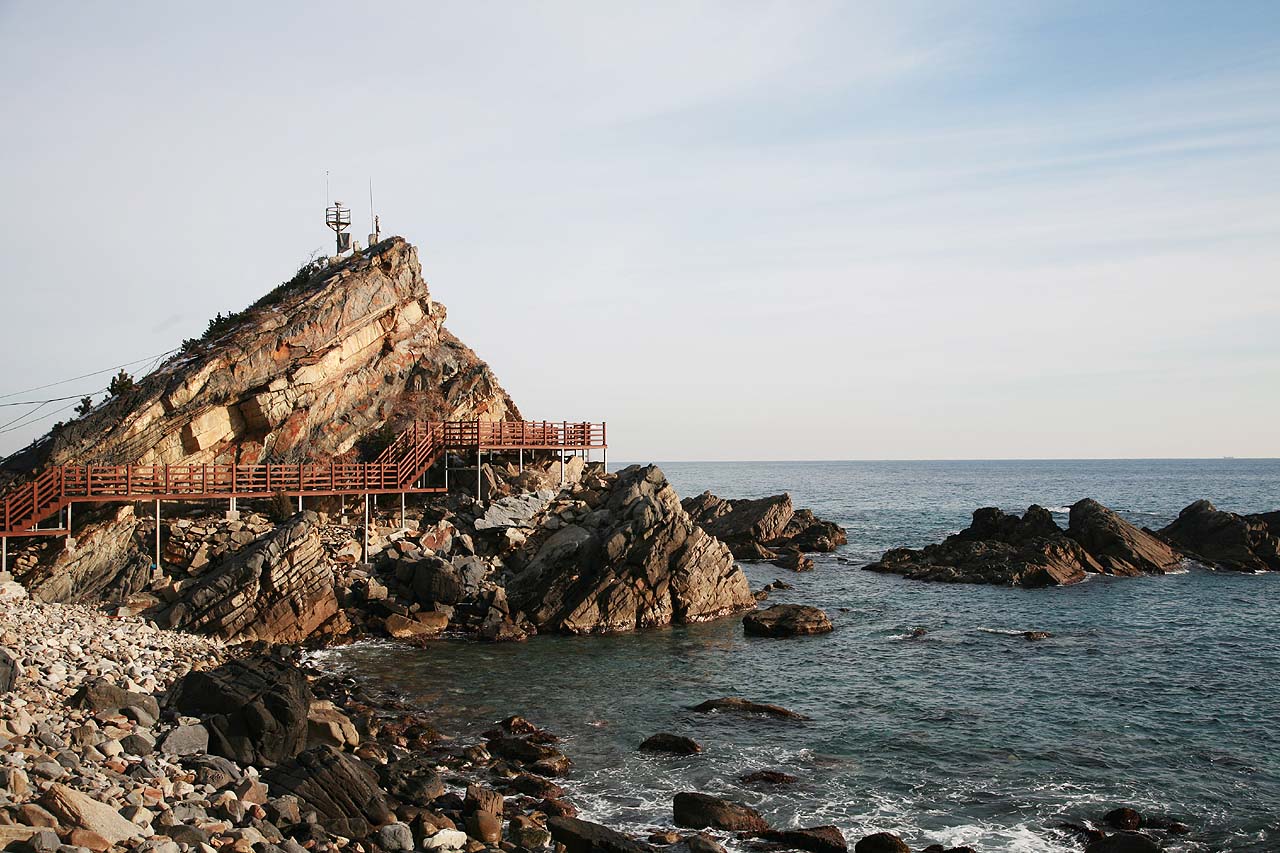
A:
[741,230]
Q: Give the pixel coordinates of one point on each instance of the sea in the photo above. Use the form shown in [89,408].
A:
[1161,693]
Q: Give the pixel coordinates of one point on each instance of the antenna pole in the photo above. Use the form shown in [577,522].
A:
[326,187]
[371,223]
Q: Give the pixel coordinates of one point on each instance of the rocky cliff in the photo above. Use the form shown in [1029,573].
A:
[314,366]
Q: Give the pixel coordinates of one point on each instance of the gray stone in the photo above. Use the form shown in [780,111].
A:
[186,740]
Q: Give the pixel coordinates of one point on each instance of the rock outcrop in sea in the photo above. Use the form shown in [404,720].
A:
[763,528]
[632,559]
[1225,540]
[1033,551]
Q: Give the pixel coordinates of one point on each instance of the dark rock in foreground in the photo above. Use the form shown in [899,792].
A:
[583,836]
[881,842]
[1225,540]
[756,529]
[673,744]
[767,777]
[637,561]
[787,620]
[341,789]
[816,839]
[1032,551]
[255,709]
[735,705]
[701,811]
[1123,842]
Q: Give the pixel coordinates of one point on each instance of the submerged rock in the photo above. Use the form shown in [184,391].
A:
[735,705]
[637,561]
[881,842]
[673,744]
[1225,540]
[768,777]
[787,620]
[816,839]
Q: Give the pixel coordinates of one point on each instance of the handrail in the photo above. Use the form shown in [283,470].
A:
[410,454]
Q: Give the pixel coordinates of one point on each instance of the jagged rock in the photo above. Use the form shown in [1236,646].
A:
[106,565]
[997,548]
[787,620]
[404,628]
[701,811]
[582,836]
[816,839]
[254,708]
[735,705]
[1123,842]
[756,529]
[436,581]
[635,562]
[1225,540]
[674,744]
[1117,545]
[342,790]
[767,777]
[280,589]
[1123,818]
[794,560]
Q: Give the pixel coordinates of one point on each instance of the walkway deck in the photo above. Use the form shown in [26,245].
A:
[400,469]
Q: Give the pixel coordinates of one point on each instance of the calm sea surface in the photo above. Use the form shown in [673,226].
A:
[1162,693]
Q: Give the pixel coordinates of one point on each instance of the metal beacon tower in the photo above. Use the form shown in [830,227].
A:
[338,217]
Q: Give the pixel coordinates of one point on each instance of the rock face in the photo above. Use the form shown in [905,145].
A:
[1225,540]
[754,529]
[106,564]
[255,709]
[787,620]
[1032,551]
[635,561]
[1118,546]
[299,377]
[280,589]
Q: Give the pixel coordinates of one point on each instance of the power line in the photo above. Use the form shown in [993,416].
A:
[87,375]
[18,426]
[50,400]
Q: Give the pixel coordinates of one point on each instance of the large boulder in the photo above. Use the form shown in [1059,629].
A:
[746,707]
[881,842]
[342,790]
[254,708]
[703,811]
[1118,546]
[75,810]
[787,620]
[1225,540]
[636,561]
[279,589]
[8,671]
[816,839]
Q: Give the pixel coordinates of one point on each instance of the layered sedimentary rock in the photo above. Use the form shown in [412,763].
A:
[105,564]
[279,589]
[1032,550]
[758,529]
[636,560]
[302,378]
[1225,540]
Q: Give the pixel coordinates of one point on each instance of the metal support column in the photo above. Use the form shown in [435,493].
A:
[562,467]
[446,469]
[299,501]
[4,554]
[478,467]
[402,527]
[606,460]
[157,565]
[366,529]
[522,460]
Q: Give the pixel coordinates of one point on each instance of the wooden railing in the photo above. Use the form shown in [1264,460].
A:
[396,469]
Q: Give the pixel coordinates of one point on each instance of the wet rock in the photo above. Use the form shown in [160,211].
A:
[547,760]
[794,560]
[881,842]
[1032,636]
[703,843]
[807,532]
[736,705]
[669,743]
[411,630]
[1123,818]
[787,620]
[767,777]
[340,789]
[1225,540]
[817,839]
[701,811]
[1123,842]
[581,836]
[532,785]
[637,561]
[255,709]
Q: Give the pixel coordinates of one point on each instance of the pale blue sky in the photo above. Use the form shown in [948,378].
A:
[735,231]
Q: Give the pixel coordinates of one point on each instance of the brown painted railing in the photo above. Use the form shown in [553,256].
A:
[396,469]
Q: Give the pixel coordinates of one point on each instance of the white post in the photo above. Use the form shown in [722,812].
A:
[157,565]
[446,469]
[68,518]
[478,467]
[402,511]
[366,528]
[4,553]
[299,501]
[522,460]
[562,467]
